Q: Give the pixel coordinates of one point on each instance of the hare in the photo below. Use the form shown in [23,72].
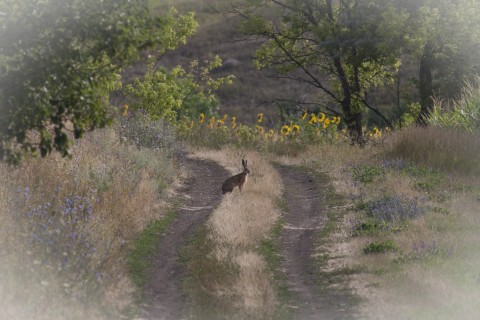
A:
[237,180]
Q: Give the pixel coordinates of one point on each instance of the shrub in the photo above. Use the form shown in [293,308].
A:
[65,224]
[380,247]
[367,173]
[394,208]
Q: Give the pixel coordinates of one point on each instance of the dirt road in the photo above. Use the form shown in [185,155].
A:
[202,191]
[306,216]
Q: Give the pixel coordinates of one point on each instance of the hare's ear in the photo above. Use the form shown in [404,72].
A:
[246,163]
[243,163]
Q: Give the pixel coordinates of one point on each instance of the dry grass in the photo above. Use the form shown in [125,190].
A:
[66,224]
[434,274]
[441,284]
[238,226]
[446,149]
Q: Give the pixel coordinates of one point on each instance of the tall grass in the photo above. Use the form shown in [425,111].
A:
[66,224]
[446,149]
[462,114]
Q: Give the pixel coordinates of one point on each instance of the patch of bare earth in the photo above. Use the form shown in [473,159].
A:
[202,191]
[304,220]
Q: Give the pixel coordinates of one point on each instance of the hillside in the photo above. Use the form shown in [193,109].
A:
[253,91]
[262,91]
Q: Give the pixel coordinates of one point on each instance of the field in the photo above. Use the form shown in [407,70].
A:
[397,237]
[134,225]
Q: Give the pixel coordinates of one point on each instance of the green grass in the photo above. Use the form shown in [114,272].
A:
[367,173]
[204,272]
[139,259]
[271,251]
[380,247]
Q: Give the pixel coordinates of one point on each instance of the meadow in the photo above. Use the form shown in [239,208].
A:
[77,234]
[404,240]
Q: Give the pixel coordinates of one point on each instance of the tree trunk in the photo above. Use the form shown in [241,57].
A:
[425,85]
[353,118]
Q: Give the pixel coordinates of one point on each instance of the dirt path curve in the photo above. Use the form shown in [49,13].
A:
[202,189]
[305,218]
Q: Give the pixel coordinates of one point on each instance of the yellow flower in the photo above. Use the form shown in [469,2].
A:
[285,130]
[271,133]
[321,117]
[260,129]
[220,122]
[304,115]
[202,118]
[313,118]
[295,128]
[326,123]
[225,117]
[125,110]
[211,123]
[339,120]
[233,122]
[260,117]
[377,132]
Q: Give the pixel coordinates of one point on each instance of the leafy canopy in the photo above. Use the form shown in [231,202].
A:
[162,93]
[343,48]
[59,61]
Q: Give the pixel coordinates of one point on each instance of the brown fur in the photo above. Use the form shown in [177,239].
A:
[237,180]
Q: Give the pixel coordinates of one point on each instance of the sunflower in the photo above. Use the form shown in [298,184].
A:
[211,123]
[295,128]
[233,122]
[326,123]
[202,118]
[125,110]
[313,118]
[304,115]
[285,130]
[321,117]
[260,117]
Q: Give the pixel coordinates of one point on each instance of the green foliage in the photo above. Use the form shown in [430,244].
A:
[367,173]
[59,61]
[462,114]
[314,39]
[411,114]
[144,247]
[167,94]
[380,247]
[370,227]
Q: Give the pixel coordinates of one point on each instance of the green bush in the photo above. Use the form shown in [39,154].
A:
[380,247]
[463,114]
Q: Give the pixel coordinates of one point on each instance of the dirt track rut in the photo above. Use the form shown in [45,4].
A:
[202,191]
[305,218]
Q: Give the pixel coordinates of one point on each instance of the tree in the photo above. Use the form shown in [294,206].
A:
[343,48]
[162,93]
[447,42]
[60,60]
